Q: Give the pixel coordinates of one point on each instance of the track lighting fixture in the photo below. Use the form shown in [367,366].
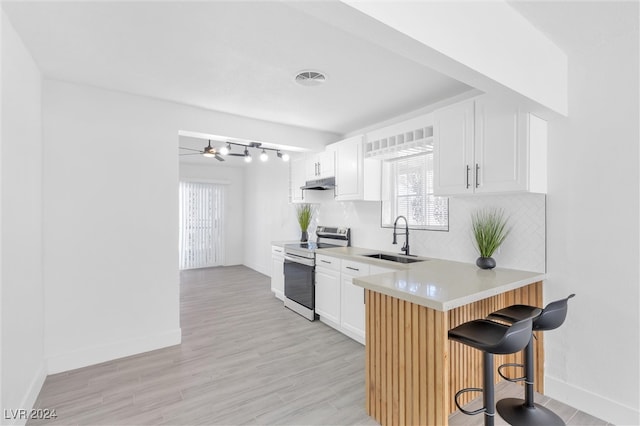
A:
[247,156]
[225,150]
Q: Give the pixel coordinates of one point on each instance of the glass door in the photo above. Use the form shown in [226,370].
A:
[201,224]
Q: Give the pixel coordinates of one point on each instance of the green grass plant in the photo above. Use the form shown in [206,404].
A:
[489,229]
[304,212]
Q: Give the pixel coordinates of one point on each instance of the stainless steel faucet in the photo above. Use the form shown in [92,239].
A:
[405,247]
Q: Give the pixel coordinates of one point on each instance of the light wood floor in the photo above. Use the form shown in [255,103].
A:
[245,359]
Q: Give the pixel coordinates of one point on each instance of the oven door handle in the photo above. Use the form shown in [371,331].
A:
[301,260]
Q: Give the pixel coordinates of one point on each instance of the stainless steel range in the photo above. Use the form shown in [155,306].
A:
[299,268]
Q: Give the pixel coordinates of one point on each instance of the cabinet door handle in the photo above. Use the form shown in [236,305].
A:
[477,175]
[468,170]
[325,261]
[353,269]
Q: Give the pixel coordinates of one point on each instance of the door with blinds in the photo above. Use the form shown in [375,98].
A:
[201,224]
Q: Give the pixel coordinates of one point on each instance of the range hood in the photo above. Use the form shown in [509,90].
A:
[320,184]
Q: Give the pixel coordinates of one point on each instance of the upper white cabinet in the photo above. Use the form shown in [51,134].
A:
[409,137]
[320,165]
[488,146]
[356,178]
[297,178]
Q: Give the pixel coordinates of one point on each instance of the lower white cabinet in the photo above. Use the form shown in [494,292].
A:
[277,271]
[339,302]
[328,290]
[352,300]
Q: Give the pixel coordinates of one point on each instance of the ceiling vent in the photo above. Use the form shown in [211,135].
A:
[310,78]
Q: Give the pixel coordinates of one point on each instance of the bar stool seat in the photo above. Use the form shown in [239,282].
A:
[525,412]
[491,338]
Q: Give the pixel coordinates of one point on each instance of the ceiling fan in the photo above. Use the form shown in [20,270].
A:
[207,151]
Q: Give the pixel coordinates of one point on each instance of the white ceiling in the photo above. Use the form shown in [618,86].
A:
[236,57]
[240,57]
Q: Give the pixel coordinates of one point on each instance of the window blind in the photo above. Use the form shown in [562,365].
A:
[201,227]
[408,191]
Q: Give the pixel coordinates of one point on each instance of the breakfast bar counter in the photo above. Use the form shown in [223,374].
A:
[412,369]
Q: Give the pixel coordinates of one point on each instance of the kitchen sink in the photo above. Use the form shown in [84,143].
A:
[393,258]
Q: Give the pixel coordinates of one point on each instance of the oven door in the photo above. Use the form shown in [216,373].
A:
[299,280]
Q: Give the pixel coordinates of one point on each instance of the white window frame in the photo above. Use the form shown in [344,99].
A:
[435,209]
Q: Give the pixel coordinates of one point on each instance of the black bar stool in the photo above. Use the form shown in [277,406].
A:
[525,412]
[491,338]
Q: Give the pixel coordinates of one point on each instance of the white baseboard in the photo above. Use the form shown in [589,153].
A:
[29,399]
[103,353]
[591,403]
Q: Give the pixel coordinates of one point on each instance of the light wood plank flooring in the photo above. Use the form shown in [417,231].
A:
[245,359]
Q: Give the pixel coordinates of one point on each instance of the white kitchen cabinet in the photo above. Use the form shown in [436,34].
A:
[356,178]
[486,145]
[339,303]
[328,290]
[320,165]
[453,149]
[352,319]
[297,179]
[277,271]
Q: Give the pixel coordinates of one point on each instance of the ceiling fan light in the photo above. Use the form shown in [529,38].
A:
[264,156]
[211,153]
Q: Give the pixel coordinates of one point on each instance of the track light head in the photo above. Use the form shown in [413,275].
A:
[264,156]
[225,149]
[247,156]
[284,157]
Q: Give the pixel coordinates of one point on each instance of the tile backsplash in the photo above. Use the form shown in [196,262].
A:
[524,248]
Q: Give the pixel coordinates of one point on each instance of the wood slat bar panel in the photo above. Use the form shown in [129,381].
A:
[413,370]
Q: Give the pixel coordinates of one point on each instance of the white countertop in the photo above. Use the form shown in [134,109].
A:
[438,284]
[282,243]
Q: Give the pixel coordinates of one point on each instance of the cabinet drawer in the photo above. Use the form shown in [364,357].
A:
[356,269]
[328,262]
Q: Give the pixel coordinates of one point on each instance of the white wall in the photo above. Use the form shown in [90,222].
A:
[21,288]
[110,217]
[593,232]
[233,179]
[268,214]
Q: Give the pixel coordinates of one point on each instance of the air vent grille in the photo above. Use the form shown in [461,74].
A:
[310,78]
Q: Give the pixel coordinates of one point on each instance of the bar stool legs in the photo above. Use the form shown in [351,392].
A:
[526,412]
[491,338]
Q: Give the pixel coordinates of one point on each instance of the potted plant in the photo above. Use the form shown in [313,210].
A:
[490,230]
[304,212]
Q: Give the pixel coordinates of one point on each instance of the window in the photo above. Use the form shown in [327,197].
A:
[407,190]
[201,214]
